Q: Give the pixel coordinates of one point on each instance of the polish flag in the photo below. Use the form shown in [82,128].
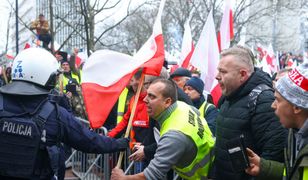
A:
[187,46]
[206,58]
[226,34]
[153,49]
[106,73]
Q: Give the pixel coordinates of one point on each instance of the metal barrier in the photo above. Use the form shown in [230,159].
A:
[88,166]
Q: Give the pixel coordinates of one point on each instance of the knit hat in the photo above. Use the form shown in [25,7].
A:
[294,86]
[180,72]
[196,83]
[63,55]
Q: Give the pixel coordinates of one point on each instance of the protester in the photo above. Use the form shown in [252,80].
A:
[140,124]
[280,74]
[291,106]
[42,30]
[246,109]
[180,76]
[145,151]
[33,127]
[185,143]
[69,77]
[194,89]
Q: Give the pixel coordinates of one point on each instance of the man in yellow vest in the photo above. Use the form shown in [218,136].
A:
[194,89]
[291,106]
[185,143]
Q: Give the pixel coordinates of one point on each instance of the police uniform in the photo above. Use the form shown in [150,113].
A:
[24,99]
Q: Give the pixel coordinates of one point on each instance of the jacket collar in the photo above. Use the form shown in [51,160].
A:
[166,113]
[302,136]
[256,78]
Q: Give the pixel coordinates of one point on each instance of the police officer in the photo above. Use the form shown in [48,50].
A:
[30,123]
[186,141]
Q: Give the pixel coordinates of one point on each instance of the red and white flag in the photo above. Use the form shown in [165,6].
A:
[187,46]
[269,63]
[206,58]
[106,73]
[153,49]
[271,59]
[226,34]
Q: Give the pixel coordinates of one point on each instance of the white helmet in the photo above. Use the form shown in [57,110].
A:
[34,71]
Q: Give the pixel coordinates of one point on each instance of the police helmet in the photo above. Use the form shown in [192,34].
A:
[34,72]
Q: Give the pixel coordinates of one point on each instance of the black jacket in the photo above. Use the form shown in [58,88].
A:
[262,129]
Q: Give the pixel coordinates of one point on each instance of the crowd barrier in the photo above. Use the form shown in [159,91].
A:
[86,166]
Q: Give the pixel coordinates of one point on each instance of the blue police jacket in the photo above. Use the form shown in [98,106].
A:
[66,128]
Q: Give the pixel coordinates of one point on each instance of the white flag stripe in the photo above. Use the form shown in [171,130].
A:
[103,72]
[206,54]
[150,44]
[225,27]
[186,43]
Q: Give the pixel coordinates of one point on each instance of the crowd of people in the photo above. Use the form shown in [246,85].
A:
[258,129]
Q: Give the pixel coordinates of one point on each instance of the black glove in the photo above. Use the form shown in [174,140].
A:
[122,143]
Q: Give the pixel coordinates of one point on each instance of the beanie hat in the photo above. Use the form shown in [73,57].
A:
[196,83]
[294,86]
[63,55]
[180,72]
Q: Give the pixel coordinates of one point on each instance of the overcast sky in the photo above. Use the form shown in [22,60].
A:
[4,14]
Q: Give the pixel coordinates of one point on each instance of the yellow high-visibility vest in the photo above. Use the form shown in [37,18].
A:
[204,107]
[185,120]
[65,80]
[122,104]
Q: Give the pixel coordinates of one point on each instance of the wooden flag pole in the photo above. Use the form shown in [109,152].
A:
[129,125]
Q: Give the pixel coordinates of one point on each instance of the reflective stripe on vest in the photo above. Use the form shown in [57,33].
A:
[65,80]
[185,120]
[122,104]
[203,108]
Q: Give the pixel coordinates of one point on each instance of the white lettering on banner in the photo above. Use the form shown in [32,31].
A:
[296,77]
[15,128]
[139,123]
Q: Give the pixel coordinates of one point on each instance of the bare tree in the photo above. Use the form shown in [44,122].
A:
[90,10]
[254,15]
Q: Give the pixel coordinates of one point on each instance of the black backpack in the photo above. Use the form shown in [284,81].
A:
[253,96]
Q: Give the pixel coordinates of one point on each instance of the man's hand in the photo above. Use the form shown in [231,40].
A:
[69,94]
[254,160]
[138,155]
[117,174]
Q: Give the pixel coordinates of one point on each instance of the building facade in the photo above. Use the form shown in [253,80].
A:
[67,21]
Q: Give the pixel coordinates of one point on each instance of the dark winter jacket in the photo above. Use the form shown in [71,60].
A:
[262,129]
[294,162]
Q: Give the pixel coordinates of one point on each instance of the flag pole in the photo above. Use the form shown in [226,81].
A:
[129,125]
